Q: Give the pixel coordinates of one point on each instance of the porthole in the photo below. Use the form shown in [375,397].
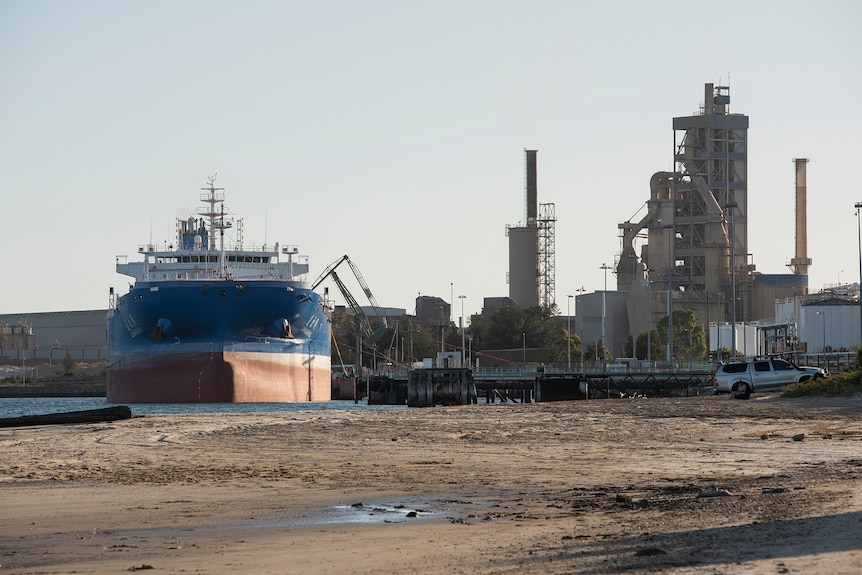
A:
[206,292]
[222,293]
[240,292]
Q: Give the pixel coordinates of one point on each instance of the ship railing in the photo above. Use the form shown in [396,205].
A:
[213,274]
[229,247]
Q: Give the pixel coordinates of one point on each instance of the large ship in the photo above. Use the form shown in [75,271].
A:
[208,323]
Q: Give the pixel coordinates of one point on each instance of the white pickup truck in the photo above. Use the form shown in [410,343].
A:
[741,378]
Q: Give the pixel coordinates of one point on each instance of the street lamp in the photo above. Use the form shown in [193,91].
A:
[569,330]
[461,297]
[670,266]
[581,290]
[649,319]
[604,267]
[451,298]
[524,344]
[718,328]
[730,206]
[858,206]
[634,314]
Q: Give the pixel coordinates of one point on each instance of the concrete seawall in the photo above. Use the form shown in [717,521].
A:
[54,389]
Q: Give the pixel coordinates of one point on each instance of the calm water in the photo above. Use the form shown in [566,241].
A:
[17,406]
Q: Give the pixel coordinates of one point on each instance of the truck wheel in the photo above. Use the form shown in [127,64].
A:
[741,391]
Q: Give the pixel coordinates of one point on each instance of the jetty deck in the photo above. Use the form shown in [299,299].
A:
[524,385]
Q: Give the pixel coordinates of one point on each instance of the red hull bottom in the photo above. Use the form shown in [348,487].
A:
[228,377]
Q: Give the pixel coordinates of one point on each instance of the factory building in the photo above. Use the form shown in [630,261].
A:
[690,249]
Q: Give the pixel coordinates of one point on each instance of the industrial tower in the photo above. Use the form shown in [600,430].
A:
[531,275]
[696,224]
[711,198]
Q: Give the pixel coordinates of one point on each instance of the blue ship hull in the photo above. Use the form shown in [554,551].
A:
[223,340]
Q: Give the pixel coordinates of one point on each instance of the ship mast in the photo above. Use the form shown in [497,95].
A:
[212,197]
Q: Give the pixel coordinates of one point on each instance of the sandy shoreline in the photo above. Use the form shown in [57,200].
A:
[571,487]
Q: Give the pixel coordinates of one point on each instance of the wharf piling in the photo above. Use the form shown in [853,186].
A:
[440,386]
[387,390]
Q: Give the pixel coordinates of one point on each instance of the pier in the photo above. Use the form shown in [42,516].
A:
[463,386]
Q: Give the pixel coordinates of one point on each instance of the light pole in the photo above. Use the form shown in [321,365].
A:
[718,328]
[730,206]
[569,330]
[670,265]
[823,313]
[524,346]
[604,267]
[581,290]
[649,320]
[634,325]
[859,298]
[461,297]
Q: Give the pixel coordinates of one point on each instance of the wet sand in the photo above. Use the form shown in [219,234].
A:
[700,485]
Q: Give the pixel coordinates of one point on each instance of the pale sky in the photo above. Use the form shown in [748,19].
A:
[394,132]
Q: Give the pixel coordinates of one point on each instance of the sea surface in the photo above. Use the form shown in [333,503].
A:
[18,406]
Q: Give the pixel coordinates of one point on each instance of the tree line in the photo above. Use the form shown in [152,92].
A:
[510,328]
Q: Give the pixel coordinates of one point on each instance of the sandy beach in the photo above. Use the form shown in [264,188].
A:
[700,485]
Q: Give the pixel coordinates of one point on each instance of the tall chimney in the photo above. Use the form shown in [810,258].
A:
[801,261]
[532,189]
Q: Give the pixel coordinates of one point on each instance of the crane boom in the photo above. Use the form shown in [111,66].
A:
[367,291]
[364,324]
[330,271]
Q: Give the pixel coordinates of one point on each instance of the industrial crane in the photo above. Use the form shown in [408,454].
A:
[364,323]
[330,270]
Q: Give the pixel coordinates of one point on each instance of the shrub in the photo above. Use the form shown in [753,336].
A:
[840,384]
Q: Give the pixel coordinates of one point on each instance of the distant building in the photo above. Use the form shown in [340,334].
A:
[431,310]
[18,335]
[492,304]
[81,333]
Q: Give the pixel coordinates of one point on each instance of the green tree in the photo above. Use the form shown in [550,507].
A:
[689,338]
[643,340]
[571,341]
[345,330]
[344,336]
[509,327]
[597,351]
[68,364]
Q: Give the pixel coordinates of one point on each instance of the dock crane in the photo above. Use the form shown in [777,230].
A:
[330,270]
[364,324]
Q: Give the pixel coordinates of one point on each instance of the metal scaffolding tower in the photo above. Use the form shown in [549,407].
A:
[547,282]
[710,201]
